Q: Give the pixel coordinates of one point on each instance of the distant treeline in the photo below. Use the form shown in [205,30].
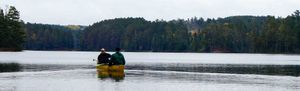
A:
[238,34]
[52,37]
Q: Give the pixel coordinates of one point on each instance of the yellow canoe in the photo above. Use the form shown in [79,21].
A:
[118,75]
[103,67]
[115,71]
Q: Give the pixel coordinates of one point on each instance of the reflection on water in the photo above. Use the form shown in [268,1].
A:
[10,67]
[116,75]
[290,70]
[75,71]
[53,67]
[143,80]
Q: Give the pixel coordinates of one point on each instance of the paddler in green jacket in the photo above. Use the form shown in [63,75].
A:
[117,58]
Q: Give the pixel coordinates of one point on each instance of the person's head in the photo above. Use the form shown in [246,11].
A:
[118,49]
[102,50]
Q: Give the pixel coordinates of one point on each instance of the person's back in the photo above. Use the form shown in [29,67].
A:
[117,58]
[104,57]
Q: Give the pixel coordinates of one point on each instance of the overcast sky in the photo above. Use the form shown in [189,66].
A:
[87,12]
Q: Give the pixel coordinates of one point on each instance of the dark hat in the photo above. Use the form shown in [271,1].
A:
[118,49]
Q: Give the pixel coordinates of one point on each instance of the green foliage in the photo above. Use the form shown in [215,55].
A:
[11,30]
[136,34]
[51,37]
[240,34]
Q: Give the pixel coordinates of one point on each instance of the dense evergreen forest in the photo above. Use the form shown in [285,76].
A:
[52,37]
[237,34]
[12,32]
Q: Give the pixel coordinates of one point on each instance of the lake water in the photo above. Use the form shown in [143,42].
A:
[75,71]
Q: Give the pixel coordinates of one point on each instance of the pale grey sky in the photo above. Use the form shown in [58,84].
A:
[87,12]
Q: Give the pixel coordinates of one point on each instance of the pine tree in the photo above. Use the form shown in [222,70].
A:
[13,14]
[2,27]
[12,30]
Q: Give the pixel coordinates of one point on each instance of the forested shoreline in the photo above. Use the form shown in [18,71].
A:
[52,37]
[235,34]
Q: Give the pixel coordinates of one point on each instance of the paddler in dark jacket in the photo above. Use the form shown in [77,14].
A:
[103,58]
[117,58]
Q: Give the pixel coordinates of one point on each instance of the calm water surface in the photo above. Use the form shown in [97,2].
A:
[74,71]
